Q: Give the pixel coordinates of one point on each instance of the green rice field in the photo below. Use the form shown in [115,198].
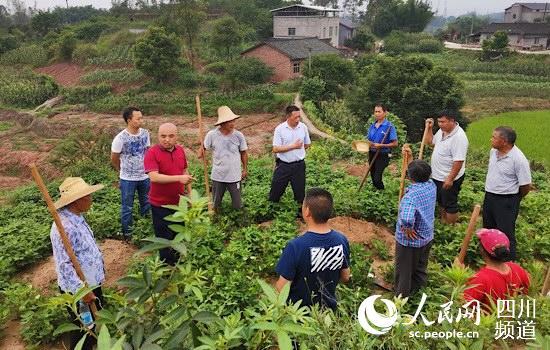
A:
[533,130]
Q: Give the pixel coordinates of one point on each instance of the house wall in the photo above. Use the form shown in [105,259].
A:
[282,65]
[311,26]
[523,14]
[345,33]
[519,42]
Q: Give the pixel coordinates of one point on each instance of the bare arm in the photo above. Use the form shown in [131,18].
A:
[281,283]
[244,161]
[115,160]
[188,184]
[166,179]
[457,165]
[429,133]
[523,190]
[345,275]
[283,149]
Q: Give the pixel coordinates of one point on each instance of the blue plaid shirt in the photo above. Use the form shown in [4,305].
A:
[417,211]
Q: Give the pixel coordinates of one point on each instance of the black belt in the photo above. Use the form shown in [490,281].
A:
[298,161]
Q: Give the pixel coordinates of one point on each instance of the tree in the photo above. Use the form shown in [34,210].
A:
[363,40]
[335,71]
[67,44]
[7,43]
[312,89]
[410,16]
[462,26]
[226,34]
[247,71]
[185,19]
[495,47]
[157,54]
[411,88]
[44,21]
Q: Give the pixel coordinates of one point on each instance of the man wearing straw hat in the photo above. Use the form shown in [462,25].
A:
[76,199]
[166,165]
[228,152]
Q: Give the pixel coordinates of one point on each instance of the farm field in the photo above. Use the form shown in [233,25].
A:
[63,87]
[532,129]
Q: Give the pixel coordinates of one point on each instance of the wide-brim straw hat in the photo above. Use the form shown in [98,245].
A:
[225,114]
[361,146]
[72,189]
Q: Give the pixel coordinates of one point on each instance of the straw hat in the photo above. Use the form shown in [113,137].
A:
[74,188]
[361,146]
[225,114]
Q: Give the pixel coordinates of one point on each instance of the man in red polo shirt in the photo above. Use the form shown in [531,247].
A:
[166,165]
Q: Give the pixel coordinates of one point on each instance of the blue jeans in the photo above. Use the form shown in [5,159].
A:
[127,190]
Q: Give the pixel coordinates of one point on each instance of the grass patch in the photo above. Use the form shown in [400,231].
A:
[532,129]
[5,126]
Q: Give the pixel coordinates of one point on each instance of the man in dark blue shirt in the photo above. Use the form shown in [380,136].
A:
[382,137]
[315,262]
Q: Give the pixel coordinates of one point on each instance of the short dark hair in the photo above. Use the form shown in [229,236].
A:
[500,254]
[507,133]
[127,113]
[419,170]
[449,114]
[381,105]
[290,109]
[320,204]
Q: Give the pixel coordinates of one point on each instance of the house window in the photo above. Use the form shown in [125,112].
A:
[296,67]
[514,16]
[536,40]
[330,32]
[324,32]
[291,31]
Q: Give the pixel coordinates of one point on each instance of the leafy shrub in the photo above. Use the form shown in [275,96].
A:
[90,30]
[410,87]
[334,70]
[66,45]
[83,52]
[247,71]
[216,67]
[33,55]
[312,89]
[26,89]
[7,43]
[157,54]
[496,46]
[400,42]
[85,94]
[363,40]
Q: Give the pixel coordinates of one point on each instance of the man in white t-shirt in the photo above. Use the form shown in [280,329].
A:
[127,153]
[448,162]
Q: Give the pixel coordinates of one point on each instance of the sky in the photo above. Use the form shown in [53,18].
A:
[454,7]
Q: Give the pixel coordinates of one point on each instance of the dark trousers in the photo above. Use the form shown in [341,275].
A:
[377,169]
[160,225]
[295,173]
[75,336]
[500,211]
[410,268]
[234,189]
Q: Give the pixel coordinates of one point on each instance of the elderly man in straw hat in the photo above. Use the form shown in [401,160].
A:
[228,152]
[76,199]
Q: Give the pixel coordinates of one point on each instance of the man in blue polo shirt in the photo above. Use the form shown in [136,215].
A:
[315,262]
[382,137]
